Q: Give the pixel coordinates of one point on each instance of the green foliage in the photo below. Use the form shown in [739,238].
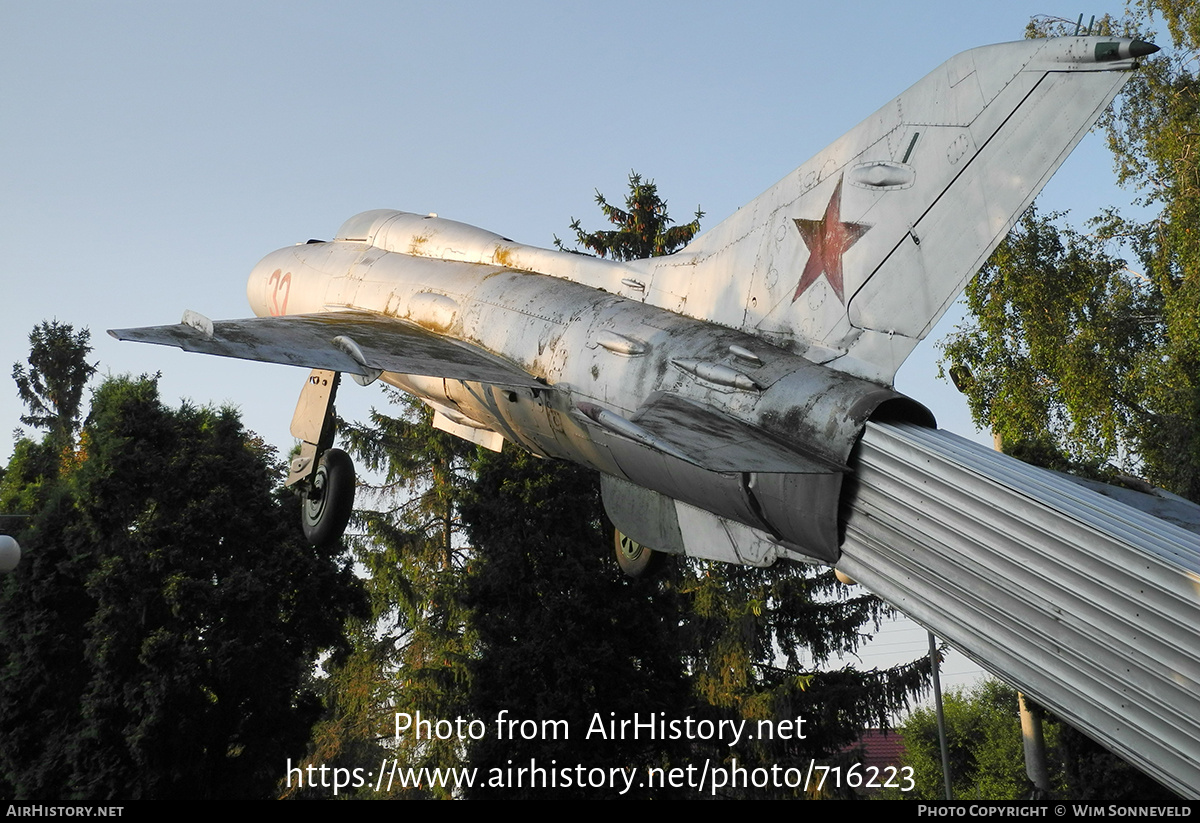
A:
[983,732]
[1092,773]
[1154,137]
[987,759]
[157,639]
[762,644]
[1066,343]
[644,227]
[1057,336]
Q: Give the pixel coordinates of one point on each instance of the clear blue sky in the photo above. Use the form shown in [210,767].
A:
[153,152]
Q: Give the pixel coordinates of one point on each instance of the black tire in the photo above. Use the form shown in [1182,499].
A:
[328,499]
[634,559]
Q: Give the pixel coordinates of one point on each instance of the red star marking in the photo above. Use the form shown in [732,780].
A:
[827,240]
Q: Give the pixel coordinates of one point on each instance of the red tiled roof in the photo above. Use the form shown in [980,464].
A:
[879,749]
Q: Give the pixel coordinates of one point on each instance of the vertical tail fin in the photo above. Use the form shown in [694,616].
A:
[860,251]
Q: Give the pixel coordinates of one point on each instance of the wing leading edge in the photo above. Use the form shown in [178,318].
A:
[358,343]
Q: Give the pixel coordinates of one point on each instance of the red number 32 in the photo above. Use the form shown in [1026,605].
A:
[279,282]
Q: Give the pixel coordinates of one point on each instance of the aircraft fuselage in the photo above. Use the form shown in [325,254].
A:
[604,358]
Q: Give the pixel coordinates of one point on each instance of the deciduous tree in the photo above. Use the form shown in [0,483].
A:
[159,637]
[987,758]
[52,386]
[983,733]
[1069,343]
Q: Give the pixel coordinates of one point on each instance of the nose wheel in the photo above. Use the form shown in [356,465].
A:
[324,475]
[327,499]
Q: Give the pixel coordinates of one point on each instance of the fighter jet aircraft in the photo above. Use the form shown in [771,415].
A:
[720,389]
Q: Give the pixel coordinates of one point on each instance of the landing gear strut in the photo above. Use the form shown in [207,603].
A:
[325,474]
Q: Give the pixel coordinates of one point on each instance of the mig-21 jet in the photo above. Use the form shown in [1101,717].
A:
[719,390]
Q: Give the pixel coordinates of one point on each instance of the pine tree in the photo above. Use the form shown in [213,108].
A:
[412,654]
[563,634]
[643,227]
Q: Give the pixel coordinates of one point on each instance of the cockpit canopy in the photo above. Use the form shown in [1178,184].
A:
[363,226]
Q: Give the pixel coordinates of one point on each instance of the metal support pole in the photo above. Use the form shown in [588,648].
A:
[941,718]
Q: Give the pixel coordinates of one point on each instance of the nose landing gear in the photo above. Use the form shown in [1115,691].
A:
[325,474]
